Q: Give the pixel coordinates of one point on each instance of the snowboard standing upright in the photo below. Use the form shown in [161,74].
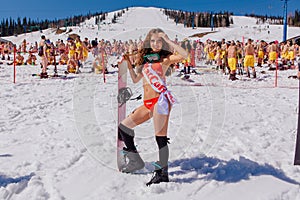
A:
[297,150]
[122,84]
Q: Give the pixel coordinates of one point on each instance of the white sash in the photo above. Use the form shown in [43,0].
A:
[159,86]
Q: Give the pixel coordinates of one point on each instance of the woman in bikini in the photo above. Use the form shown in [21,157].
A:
[152,63]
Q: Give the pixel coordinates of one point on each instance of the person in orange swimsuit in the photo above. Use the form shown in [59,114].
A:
[152,63]
[31,60]
[19,59]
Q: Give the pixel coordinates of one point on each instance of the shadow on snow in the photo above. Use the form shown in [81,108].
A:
[5,155]
[231,171]
[4,180]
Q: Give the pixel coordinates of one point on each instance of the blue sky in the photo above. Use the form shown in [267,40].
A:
[44,9]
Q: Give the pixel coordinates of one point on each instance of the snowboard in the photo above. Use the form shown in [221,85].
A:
[297,150]
[125,94]
[122,83]
[53,76]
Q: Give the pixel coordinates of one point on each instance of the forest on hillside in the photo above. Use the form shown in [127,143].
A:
[9,26]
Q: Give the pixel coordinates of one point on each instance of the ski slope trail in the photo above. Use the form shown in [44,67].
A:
[229,140]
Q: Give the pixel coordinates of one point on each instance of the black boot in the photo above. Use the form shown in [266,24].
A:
[189,69]
[228,69]
[44,75]
[161,167]
[184,70]
[233,77]
[254,74]
[241,71]
[248,74]
[127,136]
[133,161]
[132,158]
[160,174]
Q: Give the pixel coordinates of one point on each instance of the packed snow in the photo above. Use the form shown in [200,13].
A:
[229,140]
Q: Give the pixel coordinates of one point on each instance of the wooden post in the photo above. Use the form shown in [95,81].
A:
[276,72]
[103,65]
[15,49]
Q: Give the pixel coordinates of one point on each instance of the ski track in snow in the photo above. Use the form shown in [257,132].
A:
[228,139]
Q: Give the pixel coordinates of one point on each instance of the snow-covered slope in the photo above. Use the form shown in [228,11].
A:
[229,140]
[137,21]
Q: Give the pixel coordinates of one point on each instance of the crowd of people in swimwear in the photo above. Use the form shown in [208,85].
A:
[231,57]
[235,57]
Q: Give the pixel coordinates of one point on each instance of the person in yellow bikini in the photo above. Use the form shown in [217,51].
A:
[249,58]
[273,51]
[232,60]
[211,53]
[78,52]
[152,63]
[291,54]
[81,51]
[260,53]
[72,65]
[284,52]
[187,62]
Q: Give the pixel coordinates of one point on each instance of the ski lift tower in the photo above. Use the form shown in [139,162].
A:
[212,21]
[284,19]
